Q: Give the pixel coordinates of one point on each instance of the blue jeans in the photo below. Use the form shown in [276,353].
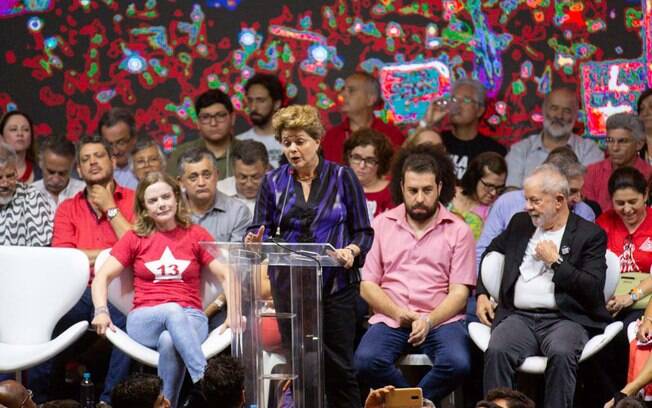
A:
[177,333]
[39,376]
[447,346]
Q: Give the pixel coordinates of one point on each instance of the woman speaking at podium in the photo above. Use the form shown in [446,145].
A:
[312,200]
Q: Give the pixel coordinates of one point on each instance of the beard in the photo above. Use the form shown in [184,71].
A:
[557,129]
[423,215]
[260,120]
[542,219]
[5,199]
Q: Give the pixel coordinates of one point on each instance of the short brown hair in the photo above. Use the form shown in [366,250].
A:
[298,117]
[144,225]
[382,147]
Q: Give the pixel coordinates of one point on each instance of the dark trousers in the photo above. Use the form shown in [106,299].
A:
[39,376]
[525,334]
[447,346]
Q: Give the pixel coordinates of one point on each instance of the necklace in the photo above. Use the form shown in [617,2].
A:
[305,178]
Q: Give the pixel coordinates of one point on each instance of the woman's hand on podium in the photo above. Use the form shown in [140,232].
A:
[345,257]
[252,238]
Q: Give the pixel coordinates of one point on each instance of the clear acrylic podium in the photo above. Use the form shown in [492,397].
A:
[282,282]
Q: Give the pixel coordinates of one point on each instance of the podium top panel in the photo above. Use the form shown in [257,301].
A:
[281,253]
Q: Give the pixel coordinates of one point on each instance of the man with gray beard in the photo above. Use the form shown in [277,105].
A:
[551,291]
[560,113]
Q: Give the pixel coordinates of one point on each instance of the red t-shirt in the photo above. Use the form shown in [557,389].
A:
[77,226]
[332,143]
[635,252]
[166,265]
[380,201]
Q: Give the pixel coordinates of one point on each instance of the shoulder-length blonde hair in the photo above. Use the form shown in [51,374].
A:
[144,224]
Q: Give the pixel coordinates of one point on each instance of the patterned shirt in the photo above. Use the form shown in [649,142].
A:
[335,213]
[27,219]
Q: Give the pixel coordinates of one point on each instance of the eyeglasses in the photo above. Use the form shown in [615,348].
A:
[465,100]
[493,187]
[207,118]
[622,140]
[357,160]
[121,143]
[29,395]
[142,163]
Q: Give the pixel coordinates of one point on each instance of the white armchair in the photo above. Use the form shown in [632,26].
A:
[37,287]
[121,295]
[492,268]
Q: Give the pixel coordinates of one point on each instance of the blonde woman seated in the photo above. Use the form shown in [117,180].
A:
[164,253]
[480,186]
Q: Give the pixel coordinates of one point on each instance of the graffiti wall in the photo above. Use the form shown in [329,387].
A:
[67,62]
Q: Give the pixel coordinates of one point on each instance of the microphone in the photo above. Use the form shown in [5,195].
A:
[285,199]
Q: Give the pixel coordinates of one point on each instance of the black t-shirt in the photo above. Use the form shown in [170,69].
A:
[462,152]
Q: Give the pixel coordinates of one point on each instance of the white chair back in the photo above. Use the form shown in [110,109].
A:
[121,289]
[37,287]
[492,273]
[612,276]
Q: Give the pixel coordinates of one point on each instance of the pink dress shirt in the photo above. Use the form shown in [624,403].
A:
[416,273]
[596,180]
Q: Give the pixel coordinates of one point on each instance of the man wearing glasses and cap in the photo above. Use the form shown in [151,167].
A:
[464,109]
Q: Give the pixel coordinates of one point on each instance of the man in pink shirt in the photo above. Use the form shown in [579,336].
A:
[625,137]
[417,278]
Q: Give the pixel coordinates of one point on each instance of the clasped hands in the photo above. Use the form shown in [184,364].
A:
[420,325]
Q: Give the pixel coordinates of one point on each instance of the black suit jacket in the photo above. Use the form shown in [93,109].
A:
[579,280]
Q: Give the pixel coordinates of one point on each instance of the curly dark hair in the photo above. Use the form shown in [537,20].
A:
[223,382]
[424,158]
[382,147]
[515,399]
[492,161]
[137,391]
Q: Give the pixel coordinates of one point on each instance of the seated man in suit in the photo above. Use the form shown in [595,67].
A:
[551,292]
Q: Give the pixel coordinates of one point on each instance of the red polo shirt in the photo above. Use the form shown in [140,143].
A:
[333,142]
[77,226]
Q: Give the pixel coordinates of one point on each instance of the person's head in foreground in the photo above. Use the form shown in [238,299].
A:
[546,194]
[222,385]
[159,205]
[139,391]
[14,395]
[505,398]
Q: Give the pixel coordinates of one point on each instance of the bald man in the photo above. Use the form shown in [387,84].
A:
[560,109]
[14,395]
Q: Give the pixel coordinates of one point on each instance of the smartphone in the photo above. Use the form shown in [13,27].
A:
[404,398]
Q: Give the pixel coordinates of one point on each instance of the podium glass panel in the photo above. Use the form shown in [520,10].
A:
[276,288]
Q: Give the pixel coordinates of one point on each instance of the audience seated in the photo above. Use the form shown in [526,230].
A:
[93,220]
[559,115]
[225,218]
[513,202]
[360,97]
[222,385]
[215,120]
[264,93]
[424,135]
[118,128]
[57,158]
[644,109]
[551,292]
[146,157]
[17,130]
[140,391]
[14,395]
[480,186]
[625,137]
[418,295]
[505,398]
[464,110]
[369,154]
[25,215]
[250,163]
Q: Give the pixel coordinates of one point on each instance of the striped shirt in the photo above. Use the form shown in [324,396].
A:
[335,213]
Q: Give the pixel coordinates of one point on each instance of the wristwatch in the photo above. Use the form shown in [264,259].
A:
[556,264]
[635,294]
[111,213]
